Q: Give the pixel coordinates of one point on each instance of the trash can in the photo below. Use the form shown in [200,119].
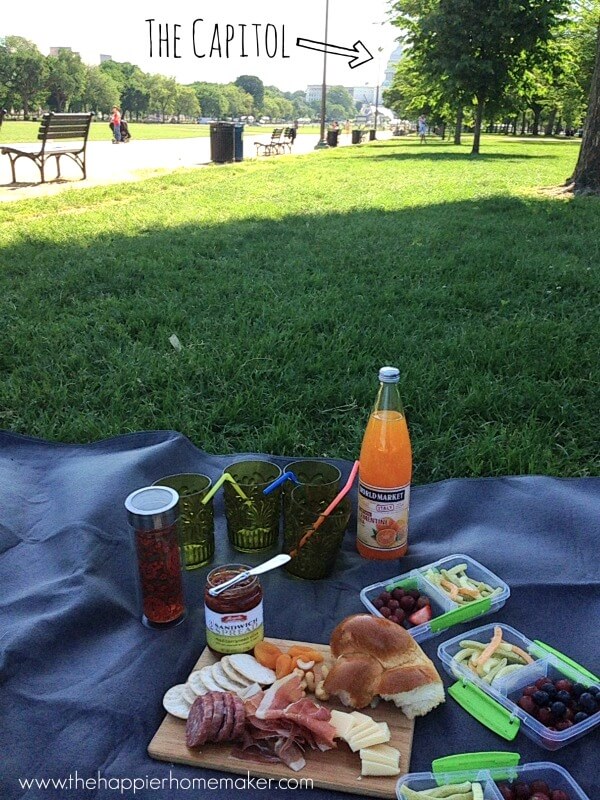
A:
[332,138]
[372,135]
[356,137]
[239,141]
[222,146]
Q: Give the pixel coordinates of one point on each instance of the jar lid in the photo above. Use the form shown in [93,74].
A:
[389,375]
[152,507]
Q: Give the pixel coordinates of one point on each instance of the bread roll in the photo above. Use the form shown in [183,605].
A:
[377,657]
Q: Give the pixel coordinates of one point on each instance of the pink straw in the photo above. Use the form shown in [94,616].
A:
[331,507]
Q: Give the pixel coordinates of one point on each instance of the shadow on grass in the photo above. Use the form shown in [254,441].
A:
[465,156]
[487,305]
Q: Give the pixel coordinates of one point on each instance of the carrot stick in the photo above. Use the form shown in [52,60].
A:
[525,656]
[491,648]
[452,589]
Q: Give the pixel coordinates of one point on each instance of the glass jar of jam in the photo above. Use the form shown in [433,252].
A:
[234,618]
[152,513]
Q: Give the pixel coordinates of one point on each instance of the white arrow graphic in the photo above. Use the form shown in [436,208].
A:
[358,54]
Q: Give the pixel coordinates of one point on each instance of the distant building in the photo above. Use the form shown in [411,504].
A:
[392,66]
[104,57]
[54,51]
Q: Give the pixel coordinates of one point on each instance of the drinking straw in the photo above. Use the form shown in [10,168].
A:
[224,477]
[331,507]
[286,476]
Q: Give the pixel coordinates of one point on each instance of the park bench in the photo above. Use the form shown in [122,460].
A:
[273,147]
[74,128]
[287,140]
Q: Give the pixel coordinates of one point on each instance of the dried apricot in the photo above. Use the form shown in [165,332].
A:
[266,654]
[283,665]
[305,653]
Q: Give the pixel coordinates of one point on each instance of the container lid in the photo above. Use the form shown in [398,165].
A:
[389,375]
[152,507]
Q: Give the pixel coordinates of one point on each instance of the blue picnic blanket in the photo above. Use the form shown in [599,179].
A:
[82,680]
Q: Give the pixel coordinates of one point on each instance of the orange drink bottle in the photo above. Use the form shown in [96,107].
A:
[384,475]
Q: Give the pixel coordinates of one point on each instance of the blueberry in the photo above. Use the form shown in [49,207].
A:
[541,698]
[595,690]
[550,690]
[578,689]
[563,697]
[580,717]
[558,709]
[587,702]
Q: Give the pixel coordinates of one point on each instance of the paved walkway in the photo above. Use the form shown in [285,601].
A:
[136,160]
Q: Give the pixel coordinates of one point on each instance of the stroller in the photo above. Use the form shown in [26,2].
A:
[125,135]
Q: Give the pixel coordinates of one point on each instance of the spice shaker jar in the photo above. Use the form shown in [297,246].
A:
[152,513]
[234,618]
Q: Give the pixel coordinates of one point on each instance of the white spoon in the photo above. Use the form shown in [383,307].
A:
[272,563]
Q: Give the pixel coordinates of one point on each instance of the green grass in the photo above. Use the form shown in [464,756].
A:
[290,281]
[13,131]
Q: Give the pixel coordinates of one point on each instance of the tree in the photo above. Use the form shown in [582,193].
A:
[101,92]
[66,80]
[254,87]
[212,99]
[473,46]
[586,178]
[186,102]
[239,102]
[163,92]
[23,74]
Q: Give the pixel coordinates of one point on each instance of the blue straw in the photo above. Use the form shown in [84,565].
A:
[287,476]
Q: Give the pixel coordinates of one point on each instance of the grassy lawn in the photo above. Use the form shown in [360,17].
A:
[290,281]
[13,131]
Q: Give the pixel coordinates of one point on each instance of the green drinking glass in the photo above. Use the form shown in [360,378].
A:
[196,521]
[321,480]
[316,558]
[253,524]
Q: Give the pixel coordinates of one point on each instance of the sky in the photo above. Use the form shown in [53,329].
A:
[120,30]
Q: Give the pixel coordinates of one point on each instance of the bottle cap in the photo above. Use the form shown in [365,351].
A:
[389,375]
[152,508]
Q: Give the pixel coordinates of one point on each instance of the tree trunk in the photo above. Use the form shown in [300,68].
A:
[443,131]
[549,129]
[514,125]
[558,126]
[458,128]
[537,113]
[586,177]
[523,123]
[477,130]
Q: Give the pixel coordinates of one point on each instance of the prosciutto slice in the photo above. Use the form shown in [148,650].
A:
[281,722]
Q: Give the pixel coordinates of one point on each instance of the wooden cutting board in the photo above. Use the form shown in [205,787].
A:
[337,770]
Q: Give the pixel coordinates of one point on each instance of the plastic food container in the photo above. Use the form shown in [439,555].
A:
[446,612]
[490,770]
[495,706]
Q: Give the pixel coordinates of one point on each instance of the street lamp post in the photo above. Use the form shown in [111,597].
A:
[380,51]
[322,140]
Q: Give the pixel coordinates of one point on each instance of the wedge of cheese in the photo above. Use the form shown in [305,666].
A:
[373,768]
[379,734]
[342,722]
[359,717]
[381,754]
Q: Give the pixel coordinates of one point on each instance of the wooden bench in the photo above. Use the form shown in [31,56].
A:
[74,128]
[273,147]
[288,137]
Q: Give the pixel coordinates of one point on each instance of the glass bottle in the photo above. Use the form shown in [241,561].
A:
[384,475]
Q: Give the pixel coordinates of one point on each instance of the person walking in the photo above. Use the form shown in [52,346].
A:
[422,128]
[115,124]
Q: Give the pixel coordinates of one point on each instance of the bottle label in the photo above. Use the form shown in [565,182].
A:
[383,516]
[234,632]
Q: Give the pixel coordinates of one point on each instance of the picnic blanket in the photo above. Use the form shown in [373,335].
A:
[82,680]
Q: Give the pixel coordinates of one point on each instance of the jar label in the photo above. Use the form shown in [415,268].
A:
[234,632]
[383,516]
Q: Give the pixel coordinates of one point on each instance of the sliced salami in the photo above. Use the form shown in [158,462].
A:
[226,729]
[240,718]
[195,727]
[218,699]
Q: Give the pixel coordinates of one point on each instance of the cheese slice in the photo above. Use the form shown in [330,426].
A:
[381,735]
[356,731]
[372,768]
[381,754]
[342,722]
[359,717]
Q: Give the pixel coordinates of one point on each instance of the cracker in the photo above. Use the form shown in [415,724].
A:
[175,703]
[196,683]
[249,667]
